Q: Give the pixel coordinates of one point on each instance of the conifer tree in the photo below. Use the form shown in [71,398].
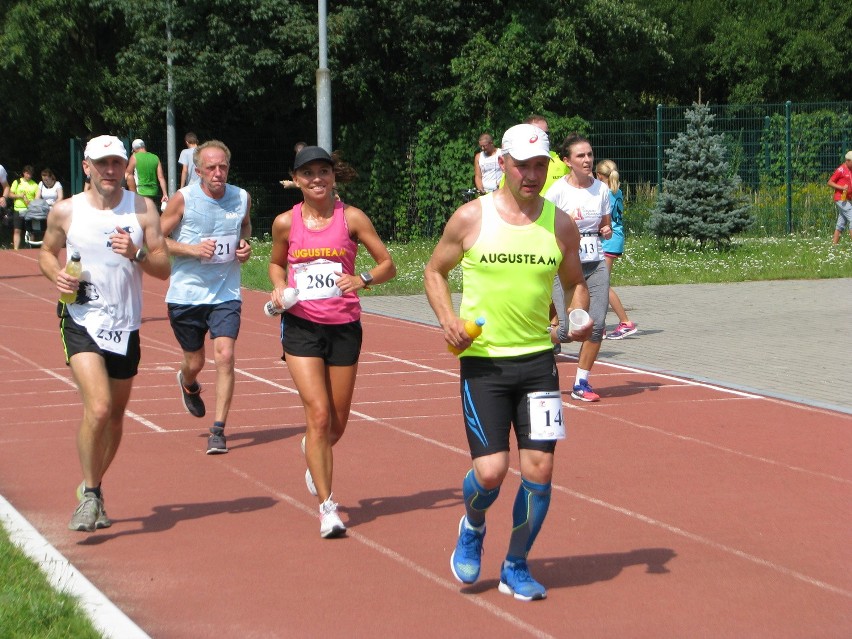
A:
[699,198]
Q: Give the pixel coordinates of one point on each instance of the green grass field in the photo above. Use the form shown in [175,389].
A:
[645,262]
[30,608]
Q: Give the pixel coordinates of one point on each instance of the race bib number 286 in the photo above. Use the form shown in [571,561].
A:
[317,280]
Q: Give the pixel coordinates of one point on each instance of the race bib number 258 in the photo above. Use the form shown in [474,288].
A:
[111,340]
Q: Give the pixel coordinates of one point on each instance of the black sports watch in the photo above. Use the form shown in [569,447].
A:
[367,279]
[141,255]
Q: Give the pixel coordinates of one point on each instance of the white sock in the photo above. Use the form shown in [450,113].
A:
[581,375]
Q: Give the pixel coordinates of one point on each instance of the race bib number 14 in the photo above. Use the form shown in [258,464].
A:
[547,420]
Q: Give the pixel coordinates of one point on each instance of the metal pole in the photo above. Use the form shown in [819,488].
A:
[170,108]
[323,83]
[788,169]
[659,149]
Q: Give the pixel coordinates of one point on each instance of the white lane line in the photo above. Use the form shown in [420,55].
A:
[404,561]
[660,431]
[69,382]
[452,585]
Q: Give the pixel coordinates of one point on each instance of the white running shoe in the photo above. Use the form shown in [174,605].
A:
[330,523]
[309,480]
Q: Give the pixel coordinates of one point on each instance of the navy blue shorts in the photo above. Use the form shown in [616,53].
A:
[191,322]
[76,339]
[494,398]
[335,344]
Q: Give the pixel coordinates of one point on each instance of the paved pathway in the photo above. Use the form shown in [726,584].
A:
[789,339]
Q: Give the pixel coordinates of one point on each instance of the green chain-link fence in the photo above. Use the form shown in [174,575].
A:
[784,154]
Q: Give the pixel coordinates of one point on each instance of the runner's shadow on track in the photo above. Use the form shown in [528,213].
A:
[244,439]
[146,320]
[571,572]
[168,516]
[371,509]
[627,389]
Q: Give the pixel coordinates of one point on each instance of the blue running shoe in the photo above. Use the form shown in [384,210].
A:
[584,392]
[515,579]
[465,560]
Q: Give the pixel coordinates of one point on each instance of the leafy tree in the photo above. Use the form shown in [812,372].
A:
[699,199]
[589,58]
[741,51]
[414,82]
[692,29]
[563,58]
[57,58]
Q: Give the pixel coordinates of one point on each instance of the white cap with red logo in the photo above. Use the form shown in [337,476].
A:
[525,141]
[105,146]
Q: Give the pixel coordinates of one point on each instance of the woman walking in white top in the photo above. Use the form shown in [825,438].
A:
[586,200]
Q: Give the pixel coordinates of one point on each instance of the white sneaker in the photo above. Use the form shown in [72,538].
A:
[309,481]
[330,524]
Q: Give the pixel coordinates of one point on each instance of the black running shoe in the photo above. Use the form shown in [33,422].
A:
[192,401]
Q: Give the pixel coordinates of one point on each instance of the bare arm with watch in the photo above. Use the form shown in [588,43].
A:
[153,256]
[363,231]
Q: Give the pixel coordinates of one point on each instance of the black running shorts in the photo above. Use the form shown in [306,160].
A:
[75,339]
[494,397]
[335,344]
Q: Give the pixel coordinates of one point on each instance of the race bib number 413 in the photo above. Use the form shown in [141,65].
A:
[589,248]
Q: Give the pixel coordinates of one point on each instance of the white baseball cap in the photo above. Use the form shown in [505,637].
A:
[525,141]
[105,146]
[849,155]
[137,144]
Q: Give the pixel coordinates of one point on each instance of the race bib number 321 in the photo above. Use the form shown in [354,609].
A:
[225,250]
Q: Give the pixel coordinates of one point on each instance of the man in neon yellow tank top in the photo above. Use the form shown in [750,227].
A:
[509,243]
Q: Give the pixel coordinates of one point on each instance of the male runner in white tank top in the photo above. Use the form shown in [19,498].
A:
[486,165]
[117,234]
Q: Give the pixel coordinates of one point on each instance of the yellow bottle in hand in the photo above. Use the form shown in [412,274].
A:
[75,268]
[473,329]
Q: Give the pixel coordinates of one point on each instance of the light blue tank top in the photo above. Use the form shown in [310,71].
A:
[210,281]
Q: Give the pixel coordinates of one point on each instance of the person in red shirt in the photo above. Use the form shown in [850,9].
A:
[841,182]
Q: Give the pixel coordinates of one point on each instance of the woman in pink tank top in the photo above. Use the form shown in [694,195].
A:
[314,246]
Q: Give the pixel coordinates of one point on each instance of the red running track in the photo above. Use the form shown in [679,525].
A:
[680,509]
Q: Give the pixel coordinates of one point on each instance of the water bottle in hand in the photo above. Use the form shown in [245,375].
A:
[473,329]
[75,268]
[289,296]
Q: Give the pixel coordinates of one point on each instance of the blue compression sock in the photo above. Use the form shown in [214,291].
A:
[476,499]
[531,505]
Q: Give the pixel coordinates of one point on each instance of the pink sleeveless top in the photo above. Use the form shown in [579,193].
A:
[333,244]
